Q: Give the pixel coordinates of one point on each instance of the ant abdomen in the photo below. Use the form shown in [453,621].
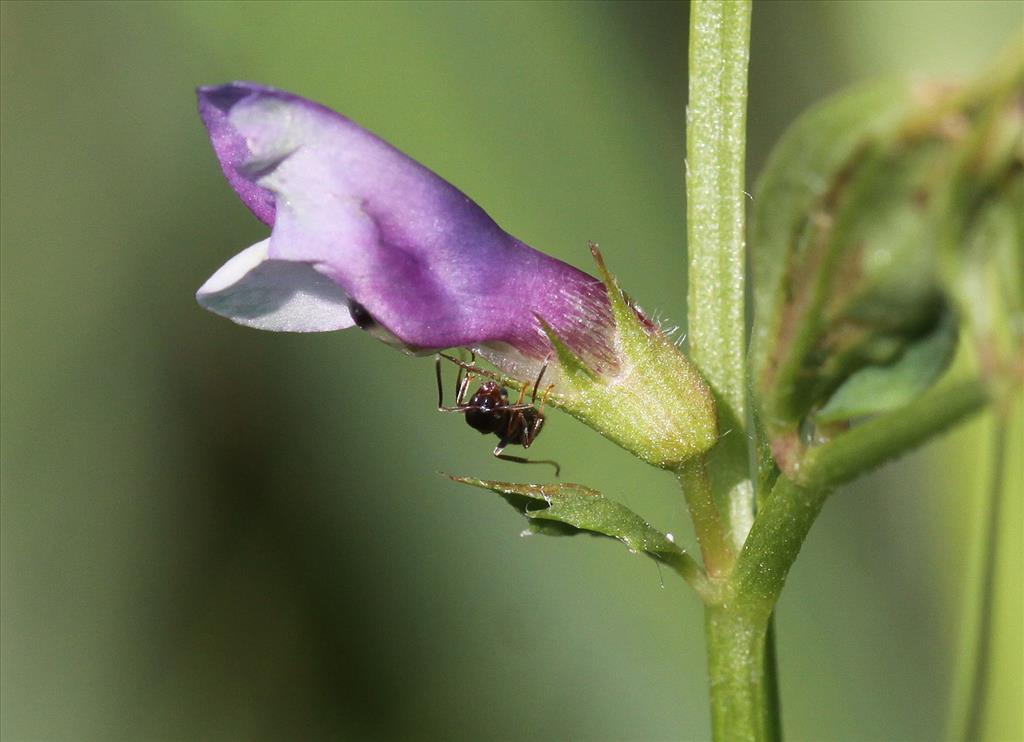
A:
[485,421]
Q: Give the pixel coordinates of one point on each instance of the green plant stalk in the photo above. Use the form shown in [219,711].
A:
[715,150]
[781,527]
[715,217]
[772,703]
[740,664]
[982,651]
[716,117]
[888,436]
[718,552]
[968,705]
[742,686]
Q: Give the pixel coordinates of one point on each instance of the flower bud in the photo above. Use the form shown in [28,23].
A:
[844,239]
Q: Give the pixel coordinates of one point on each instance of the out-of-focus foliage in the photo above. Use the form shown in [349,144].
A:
[214,532]
[852,217]
[877,389]
[982,238]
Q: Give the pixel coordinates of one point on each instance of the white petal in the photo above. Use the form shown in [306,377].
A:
[279,295]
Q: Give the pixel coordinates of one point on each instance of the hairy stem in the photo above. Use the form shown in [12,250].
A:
[774,541]
[715,208]
[738,655]
[715,143]
[741,689]
[714,542]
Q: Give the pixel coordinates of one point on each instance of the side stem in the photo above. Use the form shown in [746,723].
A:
[719,554]
[786,515]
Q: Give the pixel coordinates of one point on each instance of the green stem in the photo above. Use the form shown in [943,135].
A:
[715,208]
[687,567]
[742,690]
[715,547]
[738,656]
[771,548]
[970,697]
[715,143]
[772,700]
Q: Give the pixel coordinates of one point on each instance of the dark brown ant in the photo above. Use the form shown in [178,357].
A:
[489,411]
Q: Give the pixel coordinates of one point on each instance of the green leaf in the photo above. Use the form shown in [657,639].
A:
[848,216]
[568,509]
[881,388]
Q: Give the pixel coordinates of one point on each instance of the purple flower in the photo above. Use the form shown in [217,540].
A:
[362,234]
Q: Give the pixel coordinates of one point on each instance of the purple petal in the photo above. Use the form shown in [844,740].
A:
[427,263]
[230,147]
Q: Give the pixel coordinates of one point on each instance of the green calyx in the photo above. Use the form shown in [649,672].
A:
[656,404]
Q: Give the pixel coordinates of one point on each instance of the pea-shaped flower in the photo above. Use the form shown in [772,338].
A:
[363,235]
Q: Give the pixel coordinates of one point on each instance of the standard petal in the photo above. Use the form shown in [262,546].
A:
[231,149]
[267,294]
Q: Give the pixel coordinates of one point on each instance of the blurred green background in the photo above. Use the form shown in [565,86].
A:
[212,532]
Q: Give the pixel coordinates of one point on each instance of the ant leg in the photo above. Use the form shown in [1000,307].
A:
[536,384]
[520,460]
[533,432]
[473,368]
[461,387]
[461,384]
[544,397]
[519,405]
[440,385]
